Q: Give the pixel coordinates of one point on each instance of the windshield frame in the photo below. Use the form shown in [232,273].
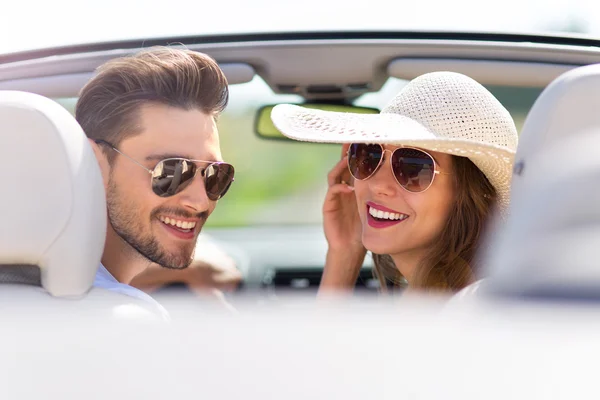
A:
[488,37]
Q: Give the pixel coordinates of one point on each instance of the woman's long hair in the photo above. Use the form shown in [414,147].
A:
[450,264]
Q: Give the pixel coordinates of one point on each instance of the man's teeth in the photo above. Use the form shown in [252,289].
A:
[386,215]
[177,223]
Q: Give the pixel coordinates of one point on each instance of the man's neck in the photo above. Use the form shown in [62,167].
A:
[122,261]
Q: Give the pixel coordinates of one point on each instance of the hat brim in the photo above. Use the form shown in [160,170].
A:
[318,126]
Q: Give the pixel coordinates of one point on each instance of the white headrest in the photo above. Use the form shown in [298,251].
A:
[569,105]
[551,241]
[550,245]
[52,196]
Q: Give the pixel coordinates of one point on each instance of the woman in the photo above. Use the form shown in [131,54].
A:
[418,183]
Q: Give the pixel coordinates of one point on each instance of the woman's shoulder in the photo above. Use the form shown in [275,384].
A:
[471,290]
[468,293]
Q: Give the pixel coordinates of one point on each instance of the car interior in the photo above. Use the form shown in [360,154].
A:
[270,221]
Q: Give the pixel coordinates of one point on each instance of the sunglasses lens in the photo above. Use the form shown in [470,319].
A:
[363,159]
[414,169]
[172,176]
[217,179]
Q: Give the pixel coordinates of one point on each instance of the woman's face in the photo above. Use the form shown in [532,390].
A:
[423,215]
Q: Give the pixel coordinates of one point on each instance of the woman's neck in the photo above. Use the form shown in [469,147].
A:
[407,263]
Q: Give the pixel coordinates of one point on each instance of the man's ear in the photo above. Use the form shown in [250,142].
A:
[102,161]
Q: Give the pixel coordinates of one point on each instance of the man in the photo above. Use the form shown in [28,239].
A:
[151,120]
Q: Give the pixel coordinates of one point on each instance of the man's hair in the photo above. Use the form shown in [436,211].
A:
[109,104]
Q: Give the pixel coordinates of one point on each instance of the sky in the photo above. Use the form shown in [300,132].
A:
[26,24]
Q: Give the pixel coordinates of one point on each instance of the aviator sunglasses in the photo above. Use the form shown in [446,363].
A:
[172,175]
[413,169]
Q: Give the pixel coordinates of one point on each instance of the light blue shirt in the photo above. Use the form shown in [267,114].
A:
[105,280]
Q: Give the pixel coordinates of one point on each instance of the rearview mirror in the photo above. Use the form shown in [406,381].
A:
[265,128]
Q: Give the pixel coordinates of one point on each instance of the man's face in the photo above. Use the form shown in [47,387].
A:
[164,230]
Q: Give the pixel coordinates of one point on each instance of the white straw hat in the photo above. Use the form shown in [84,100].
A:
[445,112]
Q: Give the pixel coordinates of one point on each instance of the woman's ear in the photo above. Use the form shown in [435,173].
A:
[102,161]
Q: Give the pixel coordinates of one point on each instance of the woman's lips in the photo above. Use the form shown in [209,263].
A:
[379,216]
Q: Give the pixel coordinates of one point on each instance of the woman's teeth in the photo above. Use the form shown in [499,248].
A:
[375,213]
[179,224]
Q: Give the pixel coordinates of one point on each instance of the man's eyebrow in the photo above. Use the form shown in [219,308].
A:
[164,156]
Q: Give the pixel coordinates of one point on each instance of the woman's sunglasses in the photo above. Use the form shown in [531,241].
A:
[172,175]
[412,168]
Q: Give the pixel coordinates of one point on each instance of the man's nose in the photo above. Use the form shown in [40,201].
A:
[194,197]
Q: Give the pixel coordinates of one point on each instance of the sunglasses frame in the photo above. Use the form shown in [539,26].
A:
[151,171]
[436,170]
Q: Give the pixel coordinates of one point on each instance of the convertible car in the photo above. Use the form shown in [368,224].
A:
[530,330]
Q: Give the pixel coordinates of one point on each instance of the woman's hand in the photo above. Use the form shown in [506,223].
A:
[343,230]
[341,222]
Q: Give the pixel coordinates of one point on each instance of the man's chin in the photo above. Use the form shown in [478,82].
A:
[172,261]
[174,254]
[176,259]
[174,267]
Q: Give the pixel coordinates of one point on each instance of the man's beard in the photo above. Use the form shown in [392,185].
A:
[128,225]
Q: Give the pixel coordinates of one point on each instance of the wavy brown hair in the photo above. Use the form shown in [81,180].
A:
[451,263]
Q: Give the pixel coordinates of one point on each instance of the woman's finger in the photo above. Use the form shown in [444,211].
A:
[338,172]
[345,148]
[336,190]
[341,188]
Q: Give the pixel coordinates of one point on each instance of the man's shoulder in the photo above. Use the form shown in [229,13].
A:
[105,280]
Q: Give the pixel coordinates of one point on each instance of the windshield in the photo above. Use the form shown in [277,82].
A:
[283,182]
[114,20]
